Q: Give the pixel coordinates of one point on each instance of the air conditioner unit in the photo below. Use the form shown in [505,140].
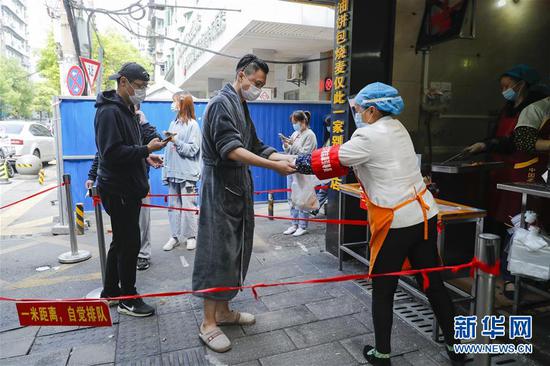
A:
[295,74]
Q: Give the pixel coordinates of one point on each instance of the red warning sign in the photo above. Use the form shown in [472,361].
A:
[91,69]
[92,313]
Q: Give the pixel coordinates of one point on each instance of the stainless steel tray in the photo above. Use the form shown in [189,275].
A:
[458,167]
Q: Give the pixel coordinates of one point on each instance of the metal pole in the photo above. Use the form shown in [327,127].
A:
[75,255]
[487,252]
[100,70]
[100,234]
[270,205]
[96,294]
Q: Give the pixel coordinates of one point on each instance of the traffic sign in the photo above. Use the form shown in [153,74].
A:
[91,70]
[75,81]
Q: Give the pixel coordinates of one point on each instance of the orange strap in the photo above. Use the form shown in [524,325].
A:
[423,205]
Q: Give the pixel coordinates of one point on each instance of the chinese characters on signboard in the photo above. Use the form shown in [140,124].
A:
[80,313]
[340,76]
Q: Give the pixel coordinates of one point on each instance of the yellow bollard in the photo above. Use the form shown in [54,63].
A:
[4,174]
[41,176]
[79,211]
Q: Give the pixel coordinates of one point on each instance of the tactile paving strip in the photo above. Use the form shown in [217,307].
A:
[189,357]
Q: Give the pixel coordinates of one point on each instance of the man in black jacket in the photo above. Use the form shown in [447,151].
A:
[122,180]
[148,133]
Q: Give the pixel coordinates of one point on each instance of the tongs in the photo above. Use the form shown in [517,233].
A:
[454,157]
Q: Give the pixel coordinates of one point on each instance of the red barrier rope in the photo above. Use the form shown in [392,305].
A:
[279,190]
[473,264]
[31,196]
[326,221]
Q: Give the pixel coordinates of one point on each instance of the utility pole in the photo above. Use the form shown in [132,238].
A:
[72,26]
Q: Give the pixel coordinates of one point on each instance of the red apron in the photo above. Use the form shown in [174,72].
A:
[519,167]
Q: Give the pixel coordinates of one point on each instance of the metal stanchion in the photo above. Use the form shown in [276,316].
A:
[75,255]
[487,252]
[96,294]
[79,213]
[270,205]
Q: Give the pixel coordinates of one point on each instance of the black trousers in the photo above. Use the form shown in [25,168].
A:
[400,244]
[124,249]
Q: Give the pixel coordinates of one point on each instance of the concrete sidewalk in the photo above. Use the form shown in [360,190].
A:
[296,325]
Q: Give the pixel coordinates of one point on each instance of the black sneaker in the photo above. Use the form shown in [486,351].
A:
[135,307]
[369,353]
[457,359]
[143,264]
[105,295]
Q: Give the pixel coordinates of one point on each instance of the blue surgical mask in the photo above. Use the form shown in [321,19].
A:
[296,127]
[358,118]
[510,94]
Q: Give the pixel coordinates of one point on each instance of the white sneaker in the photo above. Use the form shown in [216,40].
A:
[191,243]
[171,244]
[300,232]
[290,230]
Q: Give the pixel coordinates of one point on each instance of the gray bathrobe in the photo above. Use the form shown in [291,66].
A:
[226,221]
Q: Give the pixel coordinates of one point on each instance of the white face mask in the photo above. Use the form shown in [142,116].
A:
[139,95]
[252,93]
[173,107]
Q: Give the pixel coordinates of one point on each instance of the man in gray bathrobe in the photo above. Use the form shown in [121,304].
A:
[226,223]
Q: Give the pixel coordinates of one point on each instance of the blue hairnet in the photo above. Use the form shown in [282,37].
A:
[523,72]
[384,97]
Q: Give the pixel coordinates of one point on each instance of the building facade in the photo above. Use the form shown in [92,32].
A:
[13,31]
[276,30]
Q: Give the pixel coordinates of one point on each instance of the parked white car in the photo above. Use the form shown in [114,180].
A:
[23,137]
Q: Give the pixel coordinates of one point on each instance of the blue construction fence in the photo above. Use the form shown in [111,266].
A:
[270,119]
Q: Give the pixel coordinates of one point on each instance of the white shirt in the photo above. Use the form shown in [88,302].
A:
[383,157]
[535,114]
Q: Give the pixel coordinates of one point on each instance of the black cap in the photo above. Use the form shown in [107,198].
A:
[132,71]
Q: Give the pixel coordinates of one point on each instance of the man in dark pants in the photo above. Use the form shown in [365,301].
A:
[122,180]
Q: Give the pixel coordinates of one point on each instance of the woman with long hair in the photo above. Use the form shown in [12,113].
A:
[181,173]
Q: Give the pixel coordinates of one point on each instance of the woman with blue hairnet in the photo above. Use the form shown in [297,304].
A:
[514,145]
[402,213]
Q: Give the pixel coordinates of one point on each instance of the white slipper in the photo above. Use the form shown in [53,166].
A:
[216,340]
[239,319]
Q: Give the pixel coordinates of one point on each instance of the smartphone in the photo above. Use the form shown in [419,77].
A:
[168,135]
[283,137]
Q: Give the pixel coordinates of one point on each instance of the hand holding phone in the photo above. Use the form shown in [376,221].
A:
[168,135]
[283,137]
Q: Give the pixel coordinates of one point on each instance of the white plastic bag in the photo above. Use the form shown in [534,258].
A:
[529,254]
[303,195]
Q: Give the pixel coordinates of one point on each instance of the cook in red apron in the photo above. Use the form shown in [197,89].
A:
[519,88]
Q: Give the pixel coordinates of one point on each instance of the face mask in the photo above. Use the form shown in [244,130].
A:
[173,107]
[510,94]
[296,127]
[252,93]
[359,120]
[328,128]
[139,95]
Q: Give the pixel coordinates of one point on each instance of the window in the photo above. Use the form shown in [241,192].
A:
[39,130]
[11,128]
[33,129]
[43,131]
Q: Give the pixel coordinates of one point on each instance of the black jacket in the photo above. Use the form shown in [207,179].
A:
[148,132]
[122,167]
